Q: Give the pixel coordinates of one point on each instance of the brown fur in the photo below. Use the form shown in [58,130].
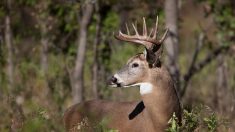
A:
[159,107]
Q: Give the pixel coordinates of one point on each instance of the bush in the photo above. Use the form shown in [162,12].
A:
[198,119]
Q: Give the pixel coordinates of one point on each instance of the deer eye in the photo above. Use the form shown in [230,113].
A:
[135,65]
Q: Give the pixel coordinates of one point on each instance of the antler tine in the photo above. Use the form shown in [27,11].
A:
[122,35]
[127,29]
[144,28]
[136,32]
[120,32]
[164,35]
[155,29]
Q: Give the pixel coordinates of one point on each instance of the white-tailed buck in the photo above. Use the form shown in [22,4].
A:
[159,97]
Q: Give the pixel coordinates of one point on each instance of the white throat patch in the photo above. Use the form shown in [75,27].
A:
[145,88]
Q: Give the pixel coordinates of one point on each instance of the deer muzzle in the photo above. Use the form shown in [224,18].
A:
[115,81]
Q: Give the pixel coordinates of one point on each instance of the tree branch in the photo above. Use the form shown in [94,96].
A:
[195,68]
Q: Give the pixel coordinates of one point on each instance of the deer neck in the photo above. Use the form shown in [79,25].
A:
[159,97]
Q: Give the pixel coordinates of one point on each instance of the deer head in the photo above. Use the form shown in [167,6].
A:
[138,68]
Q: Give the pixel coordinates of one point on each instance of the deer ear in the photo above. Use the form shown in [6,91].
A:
[153,58]
[145,53]
[149,56]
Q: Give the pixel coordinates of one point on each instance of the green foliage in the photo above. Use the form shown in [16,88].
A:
[68,16]
[27,2]
[211,122]
[102,127]
[173,127]
[111,22]
[224,17]
[199,119]
[2,12]
[191,120]
[40,121]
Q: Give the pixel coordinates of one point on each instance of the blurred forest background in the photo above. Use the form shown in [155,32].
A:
[54,53]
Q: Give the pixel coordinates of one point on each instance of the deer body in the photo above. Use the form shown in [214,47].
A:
[159,97]
[116,114]
[160,104]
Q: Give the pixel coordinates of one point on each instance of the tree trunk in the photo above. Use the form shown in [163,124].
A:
[172,41]
[96,52]
[2,74]
[17,120]
[43,20]
[44,25]
[44,48]
[8,41]
[222,92]
[44,59]
[124,14]
[77,86]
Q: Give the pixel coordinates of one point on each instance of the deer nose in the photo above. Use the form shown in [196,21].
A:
[113,79]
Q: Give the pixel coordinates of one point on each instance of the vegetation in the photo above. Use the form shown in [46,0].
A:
[40,46]
[201,118]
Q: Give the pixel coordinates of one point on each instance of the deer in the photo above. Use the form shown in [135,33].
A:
[159,99]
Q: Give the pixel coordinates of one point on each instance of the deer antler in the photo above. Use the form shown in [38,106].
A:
[149,41]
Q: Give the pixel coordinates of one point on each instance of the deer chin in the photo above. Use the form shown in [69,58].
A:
[145,87]
[123,85]
[116,85]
